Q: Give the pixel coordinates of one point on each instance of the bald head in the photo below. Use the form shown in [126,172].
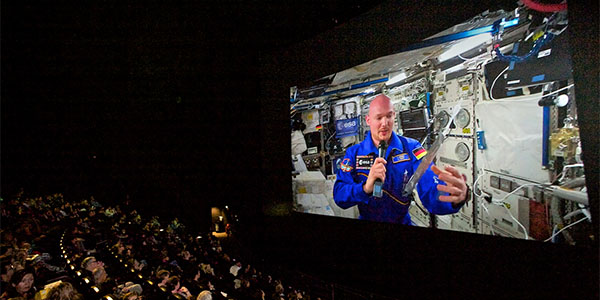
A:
[381,119]
[381,102]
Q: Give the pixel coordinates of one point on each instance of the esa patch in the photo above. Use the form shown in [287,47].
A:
[419,152]
[400,158]
[345,165]
[364,162]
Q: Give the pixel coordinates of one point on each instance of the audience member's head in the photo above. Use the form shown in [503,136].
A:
[258,295]
[204,295]
[279,289]
[130,287]
[22,281]
[63,291]
[99,275]
[90,263]
[173,284]
[130,296]
[163,276]
[7,271]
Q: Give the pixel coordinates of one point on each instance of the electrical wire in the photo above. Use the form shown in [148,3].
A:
[475,185]
[561,31]
[330,136]
[529,36]
[484,89]
[574,213]
[489,215]
[565,228]
[564,171]
[501,202]
[514,219]
[494,82]
[553,233]
[465,59]
[564,88]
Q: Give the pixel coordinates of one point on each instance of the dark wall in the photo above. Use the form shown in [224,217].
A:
[405,261]
[139,99]
[155,100]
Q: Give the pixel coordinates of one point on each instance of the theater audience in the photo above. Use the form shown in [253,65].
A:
[185,265]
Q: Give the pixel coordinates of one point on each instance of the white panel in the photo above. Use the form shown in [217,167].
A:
[459,90]
[444,222]
[447,157]
[461,223]
[513,132]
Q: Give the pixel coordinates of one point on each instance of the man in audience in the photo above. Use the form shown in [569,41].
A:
[90,263]
[99,275]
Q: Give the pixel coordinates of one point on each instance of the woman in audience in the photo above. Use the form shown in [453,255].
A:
[21,285]
[174,286]
[162,277]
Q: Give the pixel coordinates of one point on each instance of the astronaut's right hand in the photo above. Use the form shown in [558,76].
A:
[377,171]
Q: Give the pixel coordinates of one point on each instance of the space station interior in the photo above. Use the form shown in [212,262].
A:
[498,91]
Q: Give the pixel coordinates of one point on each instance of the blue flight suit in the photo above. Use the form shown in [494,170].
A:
[402,162]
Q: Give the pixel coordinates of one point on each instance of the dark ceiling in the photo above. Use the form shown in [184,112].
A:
[151,99]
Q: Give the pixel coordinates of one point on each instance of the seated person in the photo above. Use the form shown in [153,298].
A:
[174,286]
[21,285]
[204,295]
[90,263]
[59,291]
[162,277]
[102,281]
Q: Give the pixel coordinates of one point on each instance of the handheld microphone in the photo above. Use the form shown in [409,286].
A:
[377,187]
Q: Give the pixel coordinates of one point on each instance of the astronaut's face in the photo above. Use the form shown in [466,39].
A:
[381,119]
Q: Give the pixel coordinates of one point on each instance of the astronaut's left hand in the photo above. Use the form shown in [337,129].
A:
[455,184]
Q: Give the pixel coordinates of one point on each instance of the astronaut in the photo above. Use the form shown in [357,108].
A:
[441,194]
